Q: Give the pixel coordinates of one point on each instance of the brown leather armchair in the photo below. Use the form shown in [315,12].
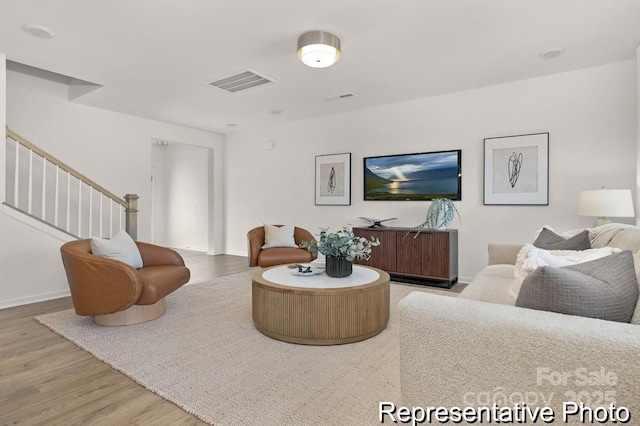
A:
[115,293]
[277,255]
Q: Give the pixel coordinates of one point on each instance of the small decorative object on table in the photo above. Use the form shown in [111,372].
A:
[376,223]
[340,249]
[304,270]
[441,213]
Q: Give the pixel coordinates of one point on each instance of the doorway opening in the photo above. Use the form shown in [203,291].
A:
[182,195]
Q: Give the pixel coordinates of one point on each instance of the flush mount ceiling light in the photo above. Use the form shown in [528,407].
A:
[38,31]
[318,49]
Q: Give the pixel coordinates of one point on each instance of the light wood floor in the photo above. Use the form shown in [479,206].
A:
[47,380]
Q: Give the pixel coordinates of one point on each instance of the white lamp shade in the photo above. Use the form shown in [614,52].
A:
[606,203]
[318,49]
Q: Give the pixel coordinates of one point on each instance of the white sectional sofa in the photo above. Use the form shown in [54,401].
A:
[477,349]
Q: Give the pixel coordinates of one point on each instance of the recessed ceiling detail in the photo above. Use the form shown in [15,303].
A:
[38,31]
[552,53]
[241,81]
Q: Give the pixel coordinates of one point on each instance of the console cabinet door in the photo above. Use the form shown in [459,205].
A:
[383,256]
[426,254]
[409,253]
[435,254]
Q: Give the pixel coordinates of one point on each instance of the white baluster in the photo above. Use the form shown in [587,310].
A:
[90,212]
[100,216]
[16,182]
[30,184]
[44,188]
[68,227]
[56,199]
[79,208]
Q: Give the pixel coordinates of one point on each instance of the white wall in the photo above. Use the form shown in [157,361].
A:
[3,116]
[30,271]
[111,148]
[590,115]
[637,204]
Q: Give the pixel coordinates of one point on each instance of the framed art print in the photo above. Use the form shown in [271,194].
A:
[333,180]
[516,170]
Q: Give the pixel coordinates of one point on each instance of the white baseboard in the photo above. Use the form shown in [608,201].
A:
[464,280]
[19,301]
[191,248]
[236,253]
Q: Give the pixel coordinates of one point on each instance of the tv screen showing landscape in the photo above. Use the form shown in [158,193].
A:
[414,177]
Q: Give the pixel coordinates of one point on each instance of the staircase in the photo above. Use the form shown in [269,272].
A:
[46,189]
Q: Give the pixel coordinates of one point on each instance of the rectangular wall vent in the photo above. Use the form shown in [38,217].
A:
[242,81]
[343,96]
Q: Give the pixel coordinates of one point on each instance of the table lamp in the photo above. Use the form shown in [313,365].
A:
[605,204]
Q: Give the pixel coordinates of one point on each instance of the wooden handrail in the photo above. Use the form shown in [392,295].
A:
[16,137]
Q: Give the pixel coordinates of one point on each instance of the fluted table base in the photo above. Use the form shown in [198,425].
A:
[320,316]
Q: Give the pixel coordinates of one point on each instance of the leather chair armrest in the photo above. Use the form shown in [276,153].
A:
[300,235]
[255,241]
[99,285]
[153,255]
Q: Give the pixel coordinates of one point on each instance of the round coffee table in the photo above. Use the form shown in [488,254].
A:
[318,309]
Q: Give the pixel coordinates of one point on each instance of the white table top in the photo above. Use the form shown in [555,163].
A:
[282,275]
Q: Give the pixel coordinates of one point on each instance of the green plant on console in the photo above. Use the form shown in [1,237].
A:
[343,243]
[441,213]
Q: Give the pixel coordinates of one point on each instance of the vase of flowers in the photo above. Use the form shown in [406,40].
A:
[340,249]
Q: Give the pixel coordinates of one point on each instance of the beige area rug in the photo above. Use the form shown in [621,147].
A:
[206,356]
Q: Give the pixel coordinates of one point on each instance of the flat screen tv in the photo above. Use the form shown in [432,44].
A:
[414,177]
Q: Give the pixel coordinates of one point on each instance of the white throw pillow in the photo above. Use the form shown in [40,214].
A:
[278,236]
[530,257]
[120,247]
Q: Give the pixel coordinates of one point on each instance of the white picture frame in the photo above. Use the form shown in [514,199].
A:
[333,180]
[516,170]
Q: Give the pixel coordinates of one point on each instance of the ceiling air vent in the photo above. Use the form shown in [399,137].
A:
[242,81]
[343,96]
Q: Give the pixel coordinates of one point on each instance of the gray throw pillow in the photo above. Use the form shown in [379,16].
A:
[549,240]
[605,288]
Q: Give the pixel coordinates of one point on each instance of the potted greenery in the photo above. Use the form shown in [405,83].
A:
[340,250]
[441,213]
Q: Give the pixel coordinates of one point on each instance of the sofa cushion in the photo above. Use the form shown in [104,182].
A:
[160,281]
[490,285]
[279,236]
[621,235]
[549,240]
[606,288]
[636,263]
[283,255]
[120,247]
[530,257]
[627,239]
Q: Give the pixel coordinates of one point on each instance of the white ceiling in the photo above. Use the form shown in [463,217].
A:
[152,57]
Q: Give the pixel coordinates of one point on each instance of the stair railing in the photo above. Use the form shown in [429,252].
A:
[47,189]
